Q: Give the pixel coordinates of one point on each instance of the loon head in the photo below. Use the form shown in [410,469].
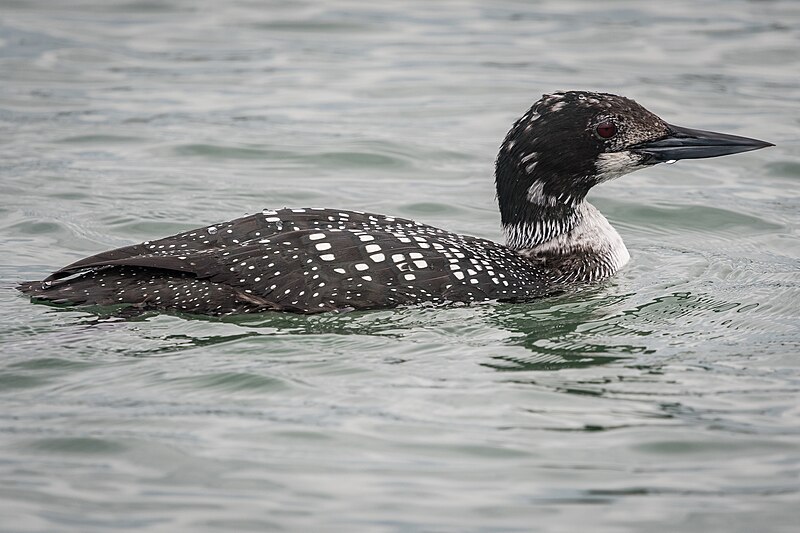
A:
[569,142]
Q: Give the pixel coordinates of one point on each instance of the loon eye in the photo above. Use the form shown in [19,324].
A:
[606,130]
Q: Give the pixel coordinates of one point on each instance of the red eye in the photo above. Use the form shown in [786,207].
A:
[606,130]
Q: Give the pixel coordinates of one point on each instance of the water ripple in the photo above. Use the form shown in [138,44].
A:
[665,398]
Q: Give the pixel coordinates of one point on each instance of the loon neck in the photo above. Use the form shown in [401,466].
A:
[581,247]
[532,211]
[541,225]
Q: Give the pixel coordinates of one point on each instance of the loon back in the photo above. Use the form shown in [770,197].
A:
[299,260]
[315,260]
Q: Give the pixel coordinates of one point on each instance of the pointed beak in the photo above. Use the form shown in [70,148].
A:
[686,143]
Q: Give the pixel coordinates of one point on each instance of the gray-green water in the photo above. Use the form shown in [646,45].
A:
[664,400]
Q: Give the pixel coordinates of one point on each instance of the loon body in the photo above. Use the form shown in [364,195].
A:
[313,260]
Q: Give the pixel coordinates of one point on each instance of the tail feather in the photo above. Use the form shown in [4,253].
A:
[144,288]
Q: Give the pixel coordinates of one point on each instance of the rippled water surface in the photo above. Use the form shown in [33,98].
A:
[663,400]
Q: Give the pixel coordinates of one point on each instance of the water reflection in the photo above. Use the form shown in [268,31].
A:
[591,327]
[551,331]
[579,332]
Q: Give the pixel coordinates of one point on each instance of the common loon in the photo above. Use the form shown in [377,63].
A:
[314,260]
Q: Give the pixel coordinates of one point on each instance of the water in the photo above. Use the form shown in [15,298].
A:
[664,400]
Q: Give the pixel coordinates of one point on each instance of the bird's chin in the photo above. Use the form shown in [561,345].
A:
[612,165]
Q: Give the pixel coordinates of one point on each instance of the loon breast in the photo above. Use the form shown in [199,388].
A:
[299,260]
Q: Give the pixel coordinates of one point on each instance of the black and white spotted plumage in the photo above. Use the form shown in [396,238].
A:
[315,260]
[299,260]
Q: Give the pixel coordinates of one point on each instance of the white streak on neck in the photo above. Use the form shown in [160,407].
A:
[536,195]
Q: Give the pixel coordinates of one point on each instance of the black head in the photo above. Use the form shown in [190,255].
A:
[569,142]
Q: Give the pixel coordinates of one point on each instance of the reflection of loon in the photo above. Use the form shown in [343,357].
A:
[314,260]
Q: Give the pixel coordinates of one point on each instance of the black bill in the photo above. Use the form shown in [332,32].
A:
[686,143]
